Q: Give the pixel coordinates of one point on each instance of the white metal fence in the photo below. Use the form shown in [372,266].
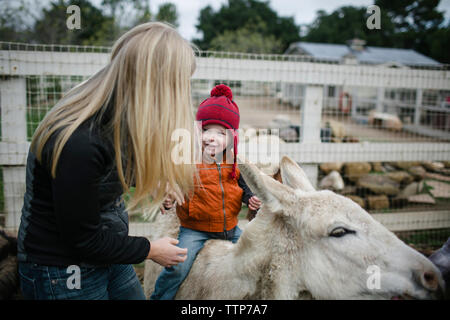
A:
[392,122]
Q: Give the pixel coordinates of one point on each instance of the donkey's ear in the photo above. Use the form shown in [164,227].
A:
[271,192]
[294,176]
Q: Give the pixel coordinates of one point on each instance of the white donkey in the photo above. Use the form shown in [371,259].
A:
[303,244]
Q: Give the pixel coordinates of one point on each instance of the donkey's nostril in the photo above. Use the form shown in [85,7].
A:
[430,280]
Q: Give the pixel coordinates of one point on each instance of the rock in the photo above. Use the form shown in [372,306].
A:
[401,199]
[379,184]
[439,189]
[377,167]
[410,190]
[348,190]
[350,139]
[330,166]
[357,199]
[332,181]
[280,121]
[444,171]
[385,120]
[421,186]
[398,202]
[389,167]
[378,202]
[336,140]
[288,134]
[405,165]
[421,198]
[436,176]
[401,177]
[433,166]
[418,172]
[337,129]
[355,170]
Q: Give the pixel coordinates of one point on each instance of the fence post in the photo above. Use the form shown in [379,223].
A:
[380,98]
[354,110]
[310,125]
[13,104]
[418,107]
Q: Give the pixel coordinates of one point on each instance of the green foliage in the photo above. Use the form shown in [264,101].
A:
[251,38]
[143,11]
[99,26]
[408,24]
[13,22]
[346,23]
[233,16]
[95,27]
[167,12]
[438,43]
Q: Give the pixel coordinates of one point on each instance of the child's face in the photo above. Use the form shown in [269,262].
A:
[214,140]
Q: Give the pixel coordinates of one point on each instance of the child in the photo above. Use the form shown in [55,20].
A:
[211,213]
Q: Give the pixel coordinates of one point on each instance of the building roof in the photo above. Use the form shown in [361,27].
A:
[372,55]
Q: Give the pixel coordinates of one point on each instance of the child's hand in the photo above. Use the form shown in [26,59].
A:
[167,203]
[254,203]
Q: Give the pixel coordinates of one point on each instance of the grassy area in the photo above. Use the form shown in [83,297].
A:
[34,118]
[425,239]
[2,196]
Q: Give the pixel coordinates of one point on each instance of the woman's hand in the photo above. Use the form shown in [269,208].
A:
[254,203]
[165,252]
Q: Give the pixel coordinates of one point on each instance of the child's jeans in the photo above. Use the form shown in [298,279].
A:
[171,278]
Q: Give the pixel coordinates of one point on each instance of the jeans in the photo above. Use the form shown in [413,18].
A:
[170,279]
[115,282]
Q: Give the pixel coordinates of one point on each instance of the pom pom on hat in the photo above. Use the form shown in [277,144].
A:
[222,90]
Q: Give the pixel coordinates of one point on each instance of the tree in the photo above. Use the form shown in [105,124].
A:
[143,11]
[346,23]
[168,12]
[438,43]
[251,38]
[95,27]
[414,21]
[408,24]
[238,13]
[15,21]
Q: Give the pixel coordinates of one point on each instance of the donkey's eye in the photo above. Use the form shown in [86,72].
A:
[340,232]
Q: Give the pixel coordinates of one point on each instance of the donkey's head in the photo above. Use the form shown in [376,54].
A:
[339,250]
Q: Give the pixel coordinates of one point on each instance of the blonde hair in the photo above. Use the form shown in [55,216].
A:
[147,83]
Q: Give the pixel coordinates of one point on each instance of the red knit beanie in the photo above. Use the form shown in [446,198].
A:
[221,109]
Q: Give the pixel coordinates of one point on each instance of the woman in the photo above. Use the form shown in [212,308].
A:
[109,133]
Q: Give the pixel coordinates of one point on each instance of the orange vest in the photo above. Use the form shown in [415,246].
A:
[216,202]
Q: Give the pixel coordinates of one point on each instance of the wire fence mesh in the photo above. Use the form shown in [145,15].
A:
[378,134]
